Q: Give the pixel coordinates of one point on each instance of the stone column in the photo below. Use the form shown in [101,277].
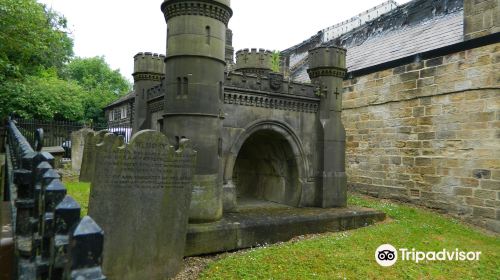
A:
[327,70]
[195,64]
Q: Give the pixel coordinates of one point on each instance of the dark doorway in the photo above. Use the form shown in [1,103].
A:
[266,169]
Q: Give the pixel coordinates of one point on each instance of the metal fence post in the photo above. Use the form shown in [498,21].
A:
[86,243]
[50,239]
[66,217]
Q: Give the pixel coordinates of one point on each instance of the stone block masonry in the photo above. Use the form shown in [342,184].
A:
[482,17]
[429,133]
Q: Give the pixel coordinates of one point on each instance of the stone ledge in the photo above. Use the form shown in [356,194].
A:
[253,227]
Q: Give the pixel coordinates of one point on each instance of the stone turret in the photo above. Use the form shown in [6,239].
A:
[195,63]
[254,61]
[229,49]
[149,69]
[327,68]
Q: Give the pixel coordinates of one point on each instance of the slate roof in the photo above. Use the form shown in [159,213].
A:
[126,97]
[416,27]
[430,35]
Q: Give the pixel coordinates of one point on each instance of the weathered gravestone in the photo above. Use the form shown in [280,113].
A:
[88,160]
[77,146]
[140,195]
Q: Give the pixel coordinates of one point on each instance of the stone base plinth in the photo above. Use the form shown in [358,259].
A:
[260,222]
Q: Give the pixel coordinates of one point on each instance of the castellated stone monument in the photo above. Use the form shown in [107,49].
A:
[262,141]
[140,194]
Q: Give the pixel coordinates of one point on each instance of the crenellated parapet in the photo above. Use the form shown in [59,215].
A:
[327,61]
[254,61]
[149,66]
[216,9]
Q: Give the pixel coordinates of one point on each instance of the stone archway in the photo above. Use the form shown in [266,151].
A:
[266,169]
[260,137]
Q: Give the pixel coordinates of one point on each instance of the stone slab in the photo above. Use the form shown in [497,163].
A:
[140,196]
[77,147]
[57,152]
[261,224]
[88,159]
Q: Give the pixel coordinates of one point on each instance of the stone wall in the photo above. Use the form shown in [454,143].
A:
[481,17]
[429,133]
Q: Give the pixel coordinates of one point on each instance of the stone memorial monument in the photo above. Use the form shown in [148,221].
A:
[262,140]
[141,194]
[77,145]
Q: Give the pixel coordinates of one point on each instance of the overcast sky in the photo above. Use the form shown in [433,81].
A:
[118,29]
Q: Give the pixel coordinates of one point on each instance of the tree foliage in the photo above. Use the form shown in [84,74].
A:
[46,96]
[38,75]
[32,37]
[275,61]
[95,73]
[102,84]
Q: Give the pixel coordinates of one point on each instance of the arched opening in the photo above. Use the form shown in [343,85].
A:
[266,169]
[207,34]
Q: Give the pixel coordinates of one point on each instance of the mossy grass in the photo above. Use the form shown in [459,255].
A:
[350,255]
[80,191]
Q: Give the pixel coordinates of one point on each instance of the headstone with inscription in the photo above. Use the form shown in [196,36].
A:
[140,195]
[77,146]
[88,159]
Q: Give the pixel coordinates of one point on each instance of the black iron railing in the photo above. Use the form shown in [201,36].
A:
[51,240]
[58,133]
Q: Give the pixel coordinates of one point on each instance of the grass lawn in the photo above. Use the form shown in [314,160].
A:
[80,192]
[350,255]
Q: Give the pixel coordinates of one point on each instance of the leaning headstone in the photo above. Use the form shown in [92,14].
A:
[140,195]
[88,160]
[77,146]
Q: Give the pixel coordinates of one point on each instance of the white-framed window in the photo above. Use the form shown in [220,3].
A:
[111,115]
[123,112]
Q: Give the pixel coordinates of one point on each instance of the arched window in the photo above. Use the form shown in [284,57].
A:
[185,86]
[219,147]
[177,142]
[207,34]
[179,86]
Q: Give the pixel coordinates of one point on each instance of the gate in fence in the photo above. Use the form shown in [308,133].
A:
[51,241]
